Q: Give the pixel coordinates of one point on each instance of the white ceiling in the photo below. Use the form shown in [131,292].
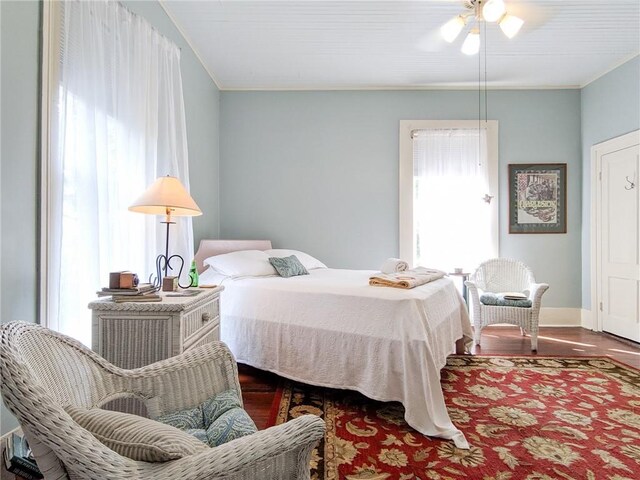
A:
[357,44]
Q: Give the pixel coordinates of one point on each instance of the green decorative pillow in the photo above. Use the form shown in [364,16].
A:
[288,266]
[215,421]
[136,437]
[498,300]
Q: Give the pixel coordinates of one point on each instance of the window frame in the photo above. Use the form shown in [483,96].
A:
[405,177]
[51,12]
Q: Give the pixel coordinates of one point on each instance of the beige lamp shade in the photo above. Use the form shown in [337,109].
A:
[166,196]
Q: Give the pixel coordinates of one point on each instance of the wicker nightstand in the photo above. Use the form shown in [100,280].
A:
[131,335]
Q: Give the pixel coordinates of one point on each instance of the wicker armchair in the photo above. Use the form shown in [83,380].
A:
[44,371]
[505,275]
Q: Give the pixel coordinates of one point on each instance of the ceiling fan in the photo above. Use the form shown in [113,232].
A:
[477,11]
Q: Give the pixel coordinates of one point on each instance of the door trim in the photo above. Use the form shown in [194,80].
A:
[597,151]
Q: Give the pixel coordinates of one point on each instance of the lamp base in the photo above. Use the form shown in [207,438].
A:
[163,267]
[163,262]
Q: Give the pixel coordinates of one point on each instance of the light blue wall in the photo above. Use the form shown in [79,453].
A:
[610,108]
[19,106]
[318,171]
[20,150]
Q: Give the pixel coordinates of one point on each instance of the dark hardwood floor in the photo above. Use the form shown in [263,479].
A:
[259,387]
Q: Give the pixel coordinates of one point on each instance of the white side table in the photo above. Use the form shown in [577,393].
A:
[131,335]
[464,276]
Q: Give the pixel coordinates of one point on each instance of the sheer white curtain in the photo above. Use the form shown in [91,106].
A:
[451,217]
[117,123]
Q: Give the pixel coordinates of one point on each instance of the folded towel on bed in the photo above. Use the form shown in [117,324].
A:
[394,265]
[409,279]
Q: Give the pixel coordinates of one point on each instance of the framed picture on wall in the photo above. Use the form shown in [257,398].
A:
[538,198]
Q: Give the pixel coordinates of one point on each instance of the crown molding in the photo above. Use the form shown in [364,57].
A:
[373,88]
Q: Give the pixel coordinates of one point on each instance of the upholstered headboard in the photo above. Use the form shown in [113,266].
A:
[209,248]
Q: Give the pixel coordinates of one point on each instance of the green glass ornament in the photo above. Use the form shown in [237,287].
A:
[193,274]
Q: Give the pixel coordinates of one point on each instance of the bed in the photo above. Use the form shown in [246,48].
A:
[331,329]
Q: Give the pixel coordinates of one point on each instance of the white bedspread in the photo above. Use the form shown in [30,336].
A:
[332,329]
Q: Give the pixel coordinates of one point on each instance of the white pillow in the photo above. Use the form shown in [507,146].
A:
[211,277]
[305,259]
[243,263]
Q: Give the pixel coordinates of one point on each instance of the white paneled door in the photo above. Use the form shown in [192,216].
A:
[619,237]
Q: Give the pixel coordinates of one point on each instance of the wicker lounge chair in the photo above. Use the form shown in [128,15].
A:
[44,371]
[505,275]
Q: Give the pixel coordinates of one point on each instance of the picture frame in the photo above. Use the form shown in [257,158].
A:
[538,198]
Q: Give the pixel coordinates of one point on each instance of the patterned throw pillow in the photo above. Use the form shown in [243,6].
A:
[136,437]
[495,299]
[215,421]
[288,266]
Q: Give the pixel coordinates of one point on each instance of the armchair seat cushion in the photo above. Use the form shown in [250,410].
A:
[499,300]
[215,421]
[135,437]
[232,424]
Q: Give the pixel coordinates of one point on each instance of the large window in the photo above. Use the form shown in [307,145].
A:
[114,121]
[448,193]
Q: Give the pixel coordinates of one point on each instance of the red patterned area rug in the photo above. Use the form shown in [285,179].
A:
[533,418]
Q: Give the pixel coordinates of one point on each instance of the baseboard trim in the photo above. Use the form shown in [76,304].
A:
[561,317]
[586,319]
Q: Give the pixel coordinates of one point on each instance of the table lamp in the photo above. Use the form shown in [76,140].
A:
[166,196]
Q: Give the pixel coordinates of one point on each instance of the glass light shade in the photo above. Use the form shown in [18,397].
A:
[493,10]
[471,44]
[452,29]
[510,25]
[165,196]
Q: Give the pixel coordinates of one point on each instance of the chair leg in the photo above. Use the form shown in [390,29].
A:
[522,332]
[534,341]
[476,335]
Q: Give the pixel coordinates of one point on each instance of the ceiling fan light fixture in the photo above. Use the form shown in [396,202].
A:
[471,44]
[452,28]
[510,25]
[493,10]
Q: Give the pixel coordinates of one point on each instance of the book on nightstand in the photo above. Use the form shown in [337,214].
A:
[139,290]
[148,297]
[145,292]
